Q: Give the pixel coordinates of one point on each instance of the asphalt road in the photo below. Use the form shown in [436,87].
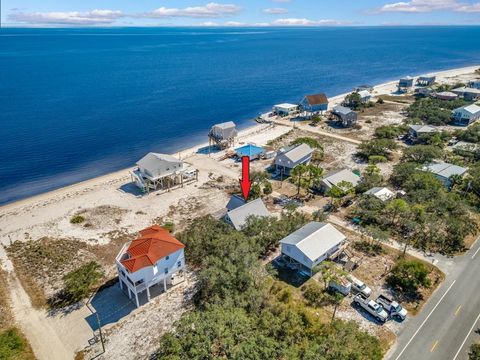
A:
[445,328]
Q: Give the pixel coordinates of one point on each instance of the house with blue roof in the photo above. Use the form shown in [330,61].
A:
[252,151]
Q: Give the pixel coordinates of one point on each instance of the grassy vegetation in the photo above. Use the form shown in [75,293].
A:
[77,219]
[13,344]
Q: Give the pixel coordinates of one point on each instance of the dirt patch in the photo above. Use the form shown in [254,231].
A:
[100,217]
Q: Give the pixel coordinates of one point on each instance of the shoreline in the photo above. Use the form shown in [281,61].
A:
[116,176]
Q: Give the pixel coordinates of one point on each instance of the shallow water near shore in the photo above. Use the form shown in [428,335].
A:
[79,103]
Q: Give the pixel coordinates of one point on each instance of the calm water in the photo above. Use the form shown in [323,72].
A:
[78,103]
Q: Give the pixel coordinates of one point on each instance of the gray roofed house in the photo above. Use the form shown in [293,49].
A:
[312,244]
[469,94]
[335,178]
[347,116]
[224,134]
[466,115]
[426,80]
[365,95]
[446,95]
[162,171]
[235,202]
[239,213]
[154,165]
[444,171]
[290,157]
[415,131]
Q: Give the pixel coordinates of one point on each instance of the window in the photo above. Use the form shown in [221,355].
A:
[166,270]
[179,264]
[167,257]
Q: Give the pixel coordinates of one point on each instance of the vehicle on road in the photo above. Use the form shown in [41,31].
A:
[393,307]
[359,286]
[341,285]
[372,307]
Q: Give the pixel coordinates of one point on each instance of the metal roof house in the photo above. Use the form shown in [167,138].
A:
[288,158]
[416,131]
[466,115]
[345,115]
[381,193]
[337,177]
[405,83]
[223,135]
[446,95]
[469,94]
[157,170]
[238,211]
[285,109]
[155,259]
[365,95]
[426,80]
[311,244]
[444,171]
[253,152]
[314,103]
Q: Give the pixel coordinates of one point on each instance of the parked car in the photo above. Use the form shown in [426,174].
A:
[341,285]
[372,307]
[393,307]
[359,286]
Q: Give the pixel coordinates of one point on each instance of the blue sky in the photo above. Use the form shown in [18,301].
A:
[59,13]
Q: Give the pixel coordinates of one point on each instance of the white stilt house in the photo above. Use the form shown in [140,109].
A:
[155,260]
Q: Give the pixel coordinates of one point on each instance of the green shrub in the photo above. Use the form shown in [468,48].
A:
[12,344]
[369,248]
[170,226]
[77,219]
[474,353]
[267,189]
[409,275]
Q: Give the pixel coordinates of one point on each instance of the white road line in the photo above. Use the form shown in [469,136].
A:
[424,321]
[476,252]
[468,334]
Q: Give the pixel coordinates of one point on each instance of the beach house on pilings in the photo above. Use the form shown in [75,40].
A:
[314,104]
[162,171]
[150,264]
[223,135]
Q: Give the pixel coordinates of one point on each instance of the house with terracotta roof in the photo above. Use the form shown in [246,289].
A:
[153,261]
[314,103]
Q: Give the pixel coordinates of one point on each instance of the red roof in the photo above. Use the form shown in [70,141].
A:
[317,99]
[154,244]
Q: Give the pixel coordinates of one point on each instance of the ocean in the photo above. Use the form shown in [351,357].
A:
[79,103]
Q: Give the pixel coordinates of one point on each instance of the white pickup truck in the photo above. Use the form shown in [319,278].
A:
[393,307]
[359,286]
[372,307]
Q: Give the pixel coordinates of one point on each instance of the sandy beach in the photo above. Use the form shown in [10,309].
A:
[113,204]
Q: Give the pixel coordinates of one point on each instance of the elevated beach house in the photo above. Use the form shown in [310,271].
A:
[314,104]
[446,95]
[474,83]
[311,244]
[466,115]
[365,96]
[444,171]
[335,179]
[405,84]
[238,211]
[469,94]
[416,132]
[288,158]
[150,263]
[223,135]
[381,193]
[426,80]
[162,171]
[344,115]
[285,109]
